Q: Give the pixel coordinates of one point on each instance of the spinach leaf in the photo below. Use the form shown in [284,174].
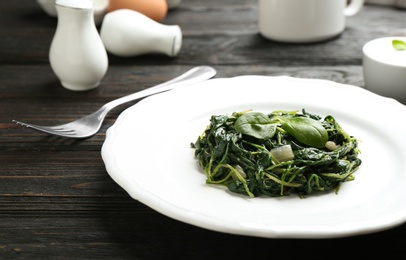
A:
[306,130]
[399,45]
[256,124]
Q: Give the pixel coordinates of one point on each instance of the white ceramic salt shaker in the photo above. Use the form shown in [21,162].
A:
[129,33]
[77,54]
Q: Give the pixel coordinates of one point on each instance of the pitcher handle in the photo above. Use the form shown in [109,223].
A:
[354,7]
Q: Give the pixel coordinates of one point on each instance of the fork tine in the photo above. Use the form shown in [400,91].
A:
[60,129]
[55,130]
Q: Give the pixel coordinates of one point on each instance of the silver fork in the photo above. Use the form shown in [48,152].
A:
[89,125]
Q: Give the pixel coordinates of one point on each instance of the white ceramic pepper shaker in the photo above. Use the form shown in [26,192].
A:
[130,33]
[77,54]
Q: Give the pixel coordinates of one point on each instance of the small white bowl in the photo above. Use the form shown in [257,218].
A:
[385,68]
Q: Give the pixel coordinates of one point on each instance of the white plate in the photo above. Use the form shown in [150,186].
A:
[147,152]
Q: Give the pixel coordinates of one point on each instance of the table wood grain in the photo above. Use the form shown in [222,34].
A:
[57,200]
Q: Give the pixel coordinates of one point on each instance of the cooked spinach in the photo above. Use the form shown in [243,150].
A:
[276,154]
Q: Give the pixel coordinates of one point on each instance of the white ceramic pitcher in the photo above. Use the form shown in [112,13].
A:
[303,21]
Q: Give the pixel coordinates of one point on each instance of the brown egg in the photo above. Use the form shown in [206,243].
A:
[154,9]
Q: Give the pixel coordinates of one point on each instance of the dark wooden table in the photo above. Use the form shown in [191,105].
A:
[57,201]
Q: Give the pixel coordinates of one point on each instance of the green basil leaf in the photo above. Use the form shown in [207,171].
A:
[306,130]
[399,45]
[255,124]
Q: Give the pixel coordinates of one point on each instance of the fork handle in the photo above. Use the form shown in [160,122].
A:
[194,75]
